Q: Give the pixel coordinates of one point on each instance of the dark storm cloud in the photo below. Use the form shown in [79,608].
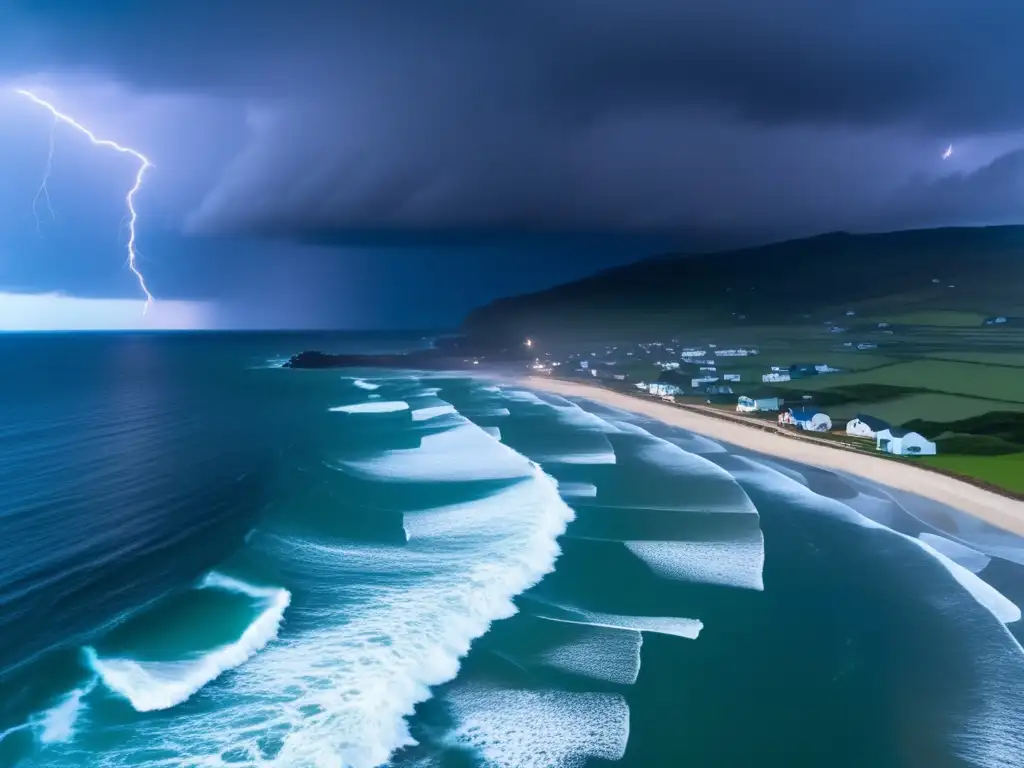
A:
[550,116]
[991,194]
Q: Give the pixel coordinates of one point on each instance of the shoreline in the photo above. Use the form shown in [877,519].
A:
[994,508]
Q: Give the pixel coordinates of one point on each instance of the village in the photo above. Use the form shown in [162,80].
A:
[733,382]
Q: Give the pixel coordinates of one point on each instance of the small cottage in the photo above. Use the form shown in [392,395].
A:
[750,405]
[806,419]
[662,389]
[865,426]
[903,443]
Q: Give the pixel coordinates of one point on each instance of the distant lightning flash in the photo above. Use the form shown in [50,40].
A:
[948,153]
[43,190]
[144,165]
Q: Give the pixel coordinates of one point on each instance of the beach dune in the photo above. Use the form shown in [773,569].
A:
[1000,511]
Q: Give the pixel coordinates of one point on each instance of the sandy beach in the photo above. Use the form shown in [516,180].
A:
[997,510]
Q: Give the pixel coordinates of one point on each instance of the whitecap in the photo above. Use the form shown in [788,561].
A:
[341,692]
[155,685]
[577,490]
[538,728]
[661,625]
[608,655]
[364,384]
[736,563]
[57,724]
[971,559]
[463,452]
[373,406]
[782,486]
[579,457]
[433,411]
[494,432]
[1000,606]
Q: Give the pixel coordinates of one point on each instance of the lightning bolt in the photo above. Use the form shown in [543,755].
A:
[43,190]
[144,165]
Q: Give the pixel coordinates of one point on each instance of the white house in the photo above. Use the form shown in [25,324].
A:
[903,443]
[749,405]
[695,383]
[866,346]
[663,389]
[825,369]
[806,419]
[732,377]
[768,378]
[708,368]
[865,426]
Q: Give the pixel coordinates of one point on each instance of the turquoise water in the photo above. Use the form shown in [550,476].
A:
[207,560]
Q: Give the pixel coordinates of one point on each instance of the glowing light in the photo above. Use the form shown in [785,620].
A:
[948,153]
[529,342]
[144,165]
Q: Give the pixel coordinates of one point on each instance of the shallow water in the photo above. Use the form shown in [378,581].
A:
[210,561]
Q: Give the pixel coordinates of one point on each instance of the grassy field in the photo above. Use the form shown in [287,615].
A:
[986,382]
[930,406]
[940,318]
[1011,359]
[1004,471]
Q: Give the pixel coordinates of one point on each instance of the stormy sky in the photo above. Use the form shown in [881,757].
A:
[395,163]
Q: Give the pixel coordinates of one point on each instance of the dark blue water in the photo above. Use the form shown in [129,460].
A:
[206,560]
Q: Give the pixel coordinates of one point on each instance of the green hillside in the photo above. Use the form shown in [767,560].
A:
[942,278]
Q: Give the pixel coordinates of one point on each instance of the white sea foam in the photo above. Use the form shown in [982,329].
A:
[364,384]
[491,412]
[579,457]
[1001,607]
[737,563]
[463,452]
[432,411]
[338,693]
[494,432]
[662,625]
[154,685]
[609,655]
[577,490]
[538,729]
[373,406]
[522,396]
[57,724]
[781,485]
[971,559]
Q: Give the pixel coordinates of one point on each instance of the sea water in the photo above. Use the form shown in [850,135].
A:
[208,560]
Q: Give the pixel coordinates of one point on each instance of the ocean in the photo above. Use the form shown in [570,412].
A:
[208,560]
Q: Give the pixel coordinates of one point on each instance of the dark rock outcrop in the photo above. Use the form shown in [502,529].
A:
[452,353]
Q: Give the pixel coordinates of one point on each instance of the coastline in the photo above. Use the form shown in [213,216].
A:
[991,507]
